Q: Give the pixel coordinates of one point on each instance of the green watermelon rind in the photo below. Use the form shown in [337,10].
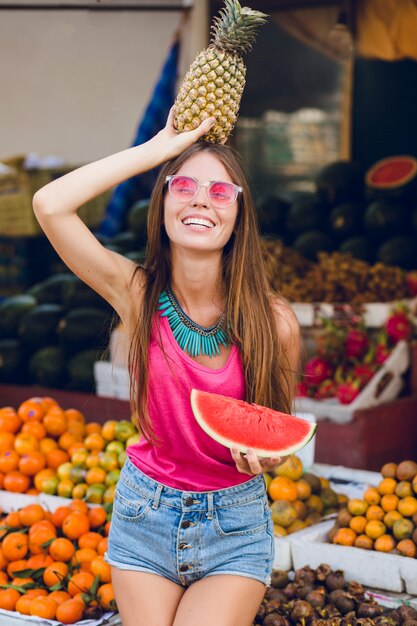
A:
[229,443]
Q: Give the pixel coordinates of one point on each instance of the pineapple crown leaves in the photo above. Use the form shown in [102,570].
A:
[235,29]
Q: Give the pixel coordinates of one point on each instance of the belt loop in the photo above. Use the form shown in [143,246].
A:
[157,496]
[209,506]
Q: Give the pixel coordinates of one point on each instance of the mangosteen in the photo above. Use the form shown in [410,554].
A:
[261,612]
[302,611]
[407,613]
[274,619]
[273,606]
[323,571]
[348,621]
[369,610]
[291,591]
[355,589]
[279,578]
[395,616]
[330,611]
[335,580]
[386,620]
[276,594]
[305,574]
[313,481]
[342,600]
[317,597]
[410,622]
[304,589]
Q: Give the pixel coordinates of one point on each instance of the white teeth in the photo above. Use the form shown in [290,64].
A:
[198,222]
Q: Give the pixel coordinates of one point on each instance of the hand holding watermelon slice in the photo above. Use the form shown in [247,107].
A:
[245,427]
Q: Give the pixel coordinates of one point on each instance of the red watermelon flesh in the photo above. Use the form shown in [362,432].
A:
[238,424]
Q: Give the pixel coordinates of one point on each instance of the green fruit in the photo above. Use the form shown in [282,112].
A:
[79,491]
[64,471]
[115,446]
[122,458]
[94,493]
[108,461]
[133,439]
[77,474]
[112,477]
[50,485]
[124,430]
[108,495]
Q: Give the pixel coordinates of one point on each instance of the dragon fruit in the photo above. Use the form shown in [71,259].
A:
[326,389]
[302,389]
[363,372]
[317,370]
[347,392]
[357,342]
[398,327]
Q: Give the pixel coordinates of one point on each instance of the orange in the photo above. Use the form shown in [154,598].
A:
[95,475]
[37,429]
[39,534]
[94,442]
[61,549]
[92,427]
[48,402]
[32,463]
[70,611]
[298,505]
[47,444]
[78,505]
[407,547]
[23,604]
[372,495]
[55,422]
[21,582]
[83,558]
[107,528]
[283,488]
[59,596]
[6,441]
[292,468]
[414,484]
[384,543]
[344,537]
[103,546]
[39,561]
[407,506]
[3,560]
[80,582]
[14,567]
[74,415]
[375,529]
[25,443]
[75,525]
[65,488]
[97,516]
[404,489]
[105,595]
[402,529]
[8,599]
[9,461]
[59,515]
[358,524]
[77,429]
[90,540]
[4,579]
[99,567]
[9,421]
[374,512]
[387,485]
[356,506]
[391,517]
[93,460]
[389,502]
[12,520]
[55,458]
[43,607]
[389,470]
[55,573]
[31,513]
[31,409]
[15,546]
[16,482]
[108,430]
[41,476]
[303,489]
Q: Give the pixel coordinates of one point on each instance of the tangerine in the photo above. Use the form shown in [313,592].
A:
[23,604]
[59,515]
[47,444]
[6,441]
[12,520]
[407,470]
[283,513]
[74,415]
[292,468]
[55,573]
[356,506]
[99,567]
[407,506]
[90,540]
[55,458]
[80,582]
[83,557]
[345,537]
[78,505]
[16,482]
[389,470]
[70,611]
[65,488]
[314,504]
[67,440]
[358,524]
[407,547]
[30,514]
[97,516]
[14,567]
[43,607]
[374,512]
[384,543]
[24,443]
[92,427]
[303,489]
[55,422]
[105,595]
[59,596]
[8,599]
[391,517]
[372,495]
[32,463]
[9,461]
[39,535]
[61,549]
[402,529]
[15,546]
[389,502]
[49,402]
[9,420]
[94,442]
[37,429]
[39,561]
[404,489]
[75,525]
[42,476]
[31,409]
[95,475]
[108,430]
[386,486]
[375,528]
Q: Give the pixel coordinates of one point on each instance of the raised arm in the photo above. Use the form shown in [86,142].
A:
[56,205]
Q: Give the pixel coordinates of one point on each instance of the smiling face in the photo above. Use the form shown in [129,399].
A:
[197,224]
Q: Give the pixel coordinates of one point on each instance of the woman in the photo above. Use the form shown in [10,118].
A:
[191,539]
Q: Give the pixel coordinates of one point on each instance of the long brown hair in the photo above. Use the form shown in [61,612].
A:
[249,312]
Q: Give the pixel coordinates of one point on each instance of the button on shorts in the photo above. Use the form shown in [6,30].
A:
[184,535]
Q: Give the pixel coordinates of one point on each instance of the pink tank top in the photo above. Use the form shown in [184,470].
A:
[188,459]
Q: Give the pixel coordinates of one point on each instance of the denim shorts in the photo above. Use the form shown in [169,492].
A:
[184,536]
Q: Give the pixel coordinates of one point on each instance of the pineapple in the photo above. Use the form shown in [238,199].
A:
[214,83]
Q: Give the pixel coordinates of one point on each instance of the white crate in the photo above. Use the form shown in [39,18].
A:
[378,570]
[384,386]
[12,618]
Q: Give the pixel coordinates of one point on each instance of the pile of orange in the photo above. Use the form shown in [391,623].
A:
[299,499]
[385,518]
[44,448]
[52,564]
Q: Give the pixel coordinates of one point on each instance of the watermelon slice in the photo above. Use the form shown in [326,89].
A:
[238,424]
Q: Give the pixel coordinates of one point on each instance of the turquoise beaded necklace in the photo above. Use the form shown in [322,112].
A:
[191,337]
